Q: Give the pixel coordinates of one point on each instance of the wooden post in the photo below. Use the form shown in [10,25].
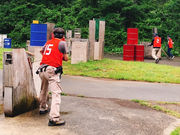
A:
[68,40]
[20,94]
[50,28]
[101,38]
[68,34]
[154,30]
[91,38]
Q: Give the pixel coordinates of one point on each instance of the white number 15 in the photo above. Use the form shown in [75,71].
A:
[48,49]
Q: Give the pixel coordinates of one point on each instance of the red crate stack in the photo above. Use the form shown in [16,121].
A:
[139,52]
[128,52]
[132,36]
[132,51]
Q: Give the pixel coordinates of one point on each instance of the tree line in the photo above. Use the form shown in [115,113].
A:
[16,17]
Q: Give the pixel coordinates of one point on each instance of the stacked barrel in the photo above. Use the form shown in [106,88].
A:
[132,51]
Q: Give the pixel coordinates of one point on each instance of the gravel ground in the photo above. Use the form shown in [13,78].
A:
[91,116]
[163,61]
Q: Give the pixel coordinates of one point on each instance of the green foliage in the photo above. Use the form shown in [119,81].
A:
[113,50]
[2,50]
[16,17]
[176,131]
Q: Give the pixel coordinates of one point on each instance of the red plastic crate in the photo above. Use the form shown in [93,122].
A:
[139,58]
[139,47]
[128,58]
[132,30]
[139,50]
[128,47]
[128,52]
[132,41]
[139,53]
[132,35]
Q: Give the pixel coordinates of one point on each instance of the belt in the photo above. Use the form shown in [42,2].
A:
[43,68]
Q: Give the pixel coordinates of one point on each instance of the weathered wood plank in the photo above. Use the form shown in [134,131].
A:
[50,29]
[7,72]
[91,38]
[101,39]
[23,96]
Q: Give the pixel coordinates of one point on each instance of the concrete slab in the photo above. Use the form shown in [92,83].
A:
[79,52]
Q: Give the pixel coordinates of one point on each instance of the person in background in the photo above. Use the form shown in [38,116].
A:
[156,42]
[170,46]
[50,70]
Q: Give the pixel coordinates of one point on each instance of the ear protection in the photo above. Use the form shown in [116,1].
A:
[58,35]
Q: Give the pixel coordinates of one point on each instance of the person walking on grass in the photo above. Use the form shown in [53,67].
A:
[156,42]
[50,70]
[170,46]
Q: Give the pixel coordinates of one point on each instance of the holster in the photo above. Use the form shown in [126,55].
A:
[42,69]
[59,70]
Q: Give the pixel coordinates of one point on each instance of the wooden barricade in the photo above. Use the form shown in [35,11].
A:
[18,86]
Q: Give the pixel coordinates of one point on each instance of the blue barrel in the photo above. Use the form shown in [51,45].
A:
[7,43]
[38,34]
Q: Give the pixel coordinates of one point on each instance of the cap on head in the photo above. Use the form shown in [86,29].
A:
[59,32]
[155,34]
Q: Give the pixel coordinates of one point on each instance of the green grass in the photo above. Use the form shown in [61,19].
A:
[157,107]
[120,70]
[1,56]
[162,109]
[176,131]
[123,70]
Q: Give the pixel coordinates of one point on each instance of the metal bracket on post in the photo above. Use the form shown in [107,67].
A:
[8,58]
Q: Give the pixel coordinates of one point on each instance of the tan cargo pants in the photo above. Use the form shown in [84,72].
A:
[156,53]
[51,82]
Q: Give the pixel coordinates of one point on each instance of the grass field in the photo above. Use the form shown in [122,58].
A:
[123,70]
[176,132]
[120,70]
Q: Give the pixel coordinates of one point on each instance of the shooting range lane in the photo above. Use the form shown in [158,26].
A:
[106,88]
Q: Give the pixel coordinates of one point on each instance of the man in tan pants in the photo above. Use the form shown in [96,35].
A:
[156,42]
[53,53]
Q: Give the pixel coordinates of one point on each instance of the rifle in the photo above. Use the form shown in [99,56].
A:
[165,54]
